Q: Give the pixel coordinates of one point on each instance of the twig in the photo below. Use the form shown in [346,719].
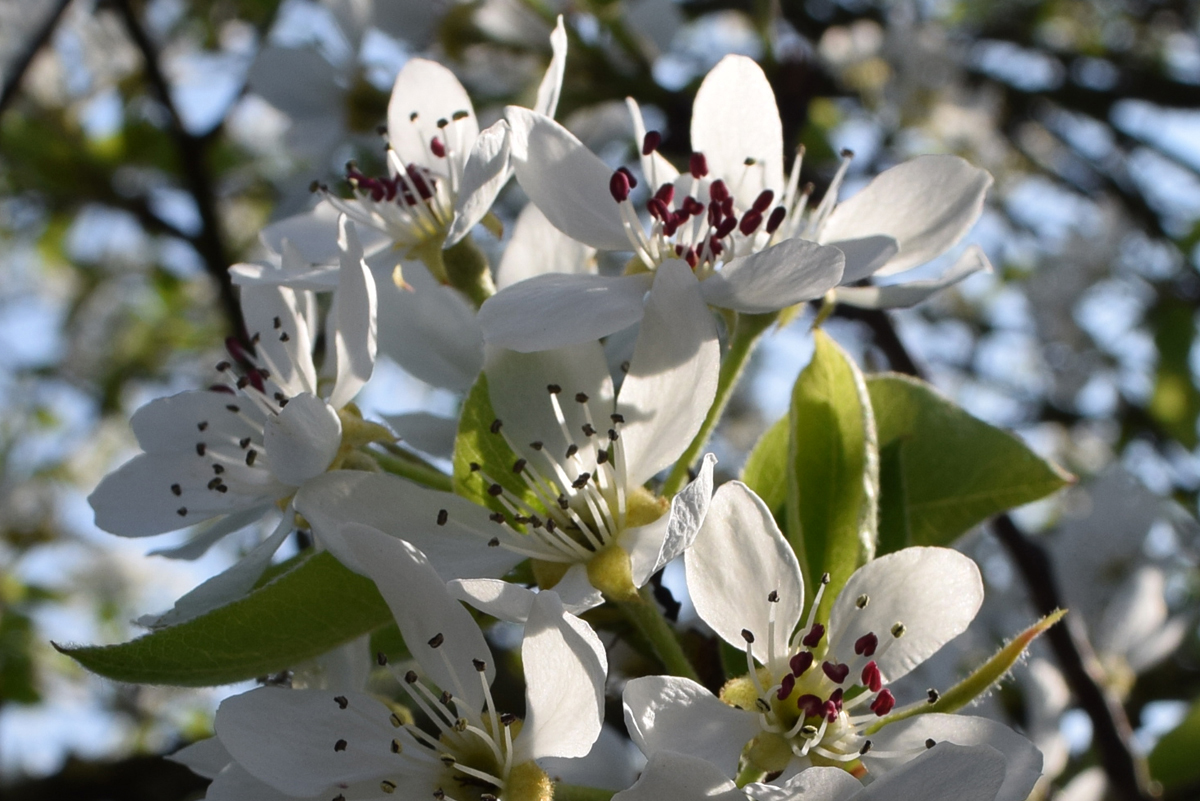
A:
[193,161]
[1081,669]
[20,66]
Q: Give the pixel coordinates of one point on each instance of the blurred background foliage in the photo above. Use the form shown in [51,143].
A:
[144,144]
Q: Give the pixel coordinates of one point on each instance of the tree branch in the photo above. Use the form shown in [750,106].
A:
[193,162]
[12,82]
[1110,725]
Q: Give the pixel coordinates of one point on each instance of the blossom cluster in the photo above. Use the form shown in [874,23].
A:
[585,389]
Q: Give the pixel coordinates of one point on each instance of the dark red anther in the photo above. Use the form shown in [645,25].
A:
[717,191]
[679,216]
[883,703]
[835,698]
[830,711]
[692,206]
[255,378]
[800,663]
[725,227]
[715,245]
[670,226]
[237,351]
[698,165]
[658,210]
[629,176]
[727,207]
[763,201]
[872,679]
[836,673]
[222,388]
[691,258]
[714,214]
[618,185]
[776,219]
[391,187]
[679,250]
[813,638]
[866,644]
[378,193]
[437,147]
[810,705]
[666,193]
[651,142]
[750,222]
[786,686]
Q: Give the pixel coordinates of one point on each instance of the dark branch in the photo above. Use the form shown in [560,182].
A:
[12,83]
[193,162]
[1082,671]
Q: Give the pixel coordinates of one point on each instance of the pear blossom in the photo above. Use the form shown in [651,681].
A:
[945,772]
[239,450]
[815,694]
[302,744]
[443,172]
[582,453]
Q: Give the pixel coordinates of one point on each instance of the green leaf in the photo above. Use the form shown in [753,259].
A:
[1173,760]
[832,469]
[476,444]
[766,467]
[942,470]
[299,615]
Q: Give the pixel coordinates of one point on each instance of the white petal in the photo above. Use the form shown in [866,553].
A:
[904,295]
[681,525]
[318,278]
[556,310]
[537,248]
[424,94]
[926,204]
[812,784]
[223,588]
[934,592]
[314,235]
[430,329]
[567,181]
[205,758]
[502,600]
[795,270]
[738,559]
[302,439]
[668,713]
[457,549]
[656,169]
[576,590]
[565,668]
[551,85]
[517,386]
[487,169]
[425,611]
[644,544]
[426,432]
[672,377]
[138,500]
[285,738]
[276,325]
[679,777]
[614,763]
[236,784]
[176,424]
[865,255]
[356,332]
[1014,773]
[735,118]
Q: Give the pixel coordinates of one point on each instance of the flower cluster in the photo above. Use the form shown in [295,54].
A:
[579,473]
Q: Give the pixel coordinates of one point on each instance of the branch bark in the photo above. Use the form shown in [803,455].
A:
[193,163]
[1111,731]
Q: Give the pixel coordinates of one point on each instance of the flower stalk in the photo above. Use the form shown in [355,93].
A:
[645,614]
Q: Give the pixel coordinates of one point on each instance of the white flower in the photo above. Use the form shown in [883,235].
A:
[583,455]
[820,687]
[235,451]
[443,173]
[312,743]
[944,773]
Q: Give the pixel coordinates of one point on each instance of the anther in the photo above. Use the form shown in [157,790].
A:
[537,446]
[836,673]
[341,701]
[763,201]
[786,685]
[508,719]
[201,448]
[582,481]
[898,630]
[387,787]
[808,731]
[618,187]
[862,601]
[244,443]
[930,743]
[800,663]
[810,705]
[933,695]
[223,366]
[446,698]
[494,542]
[617,418]
[650,142]
[866,747]
[813,638]
[251,455]
[866,644]
[461,114]
[181,511]
[495,490]
[883,703]
[202,425]
[340,745]
[410,677]
[519,465]
[178,490]
[773,596]
[748,636]
[437,147]
[872,679]
[218,469]
[496,517]
[442,517]
[397,747]
[436,640]
[474,466]
[438,795]
[698,165]
[396,721]
[381,658]
[233,407]
[825,578]
[776,219]
[553,389]
[563,502]
[479,664]
[495,427]
[762,705]
[572,449]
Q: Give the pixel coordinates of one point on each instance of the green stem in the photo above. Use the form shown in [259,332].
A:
[746,331]
[467,271]
[577,792]
[649,619]
[399,463]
